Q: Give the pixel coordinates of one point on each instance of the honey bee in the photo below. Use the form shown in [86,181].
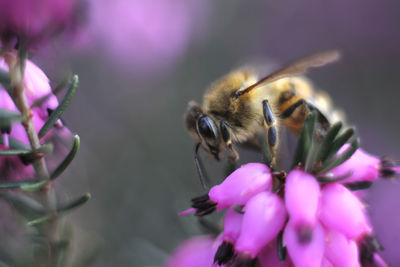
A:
[240,105]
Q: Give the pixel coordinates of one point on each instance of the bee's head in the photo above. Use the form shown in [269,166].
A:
[205,129]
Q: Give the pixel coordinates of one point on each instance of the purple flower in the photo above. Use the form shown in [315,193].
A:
[264,216]
[307,252]
[146,37]
[302,194]
[327,225]
[364,167]
[341,251]
[268,257]
[342,211]
[241,185]
[195,252]
[34,19]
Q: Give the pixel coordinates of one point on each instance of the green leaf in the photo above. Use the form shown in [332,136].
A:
[305,138]
[17,184]
[15,144]
[56,114]
[68,159]
[74,204]
[359,185]
[328,140]
[14,152]
[339,142]
[40,220]
[44,149]
[326,166]
[27,206]
[33,187]
[55,91]
[7,117]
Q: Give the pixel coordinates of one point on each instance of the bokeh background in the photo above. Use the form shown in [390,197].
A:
[141,61]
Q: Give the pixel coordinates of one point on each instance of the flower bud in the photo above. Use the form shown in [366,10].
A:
[342,211]
[307,254]
[264,216]
[195,252]
[341,251]
[241,185]
[302,193]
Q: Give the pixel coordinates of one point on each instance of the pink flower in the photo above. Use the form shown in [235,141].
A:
[146,37]
[34,19]
[341,251]
[342,211]
[307,254]
[268,257]
[264,216]
[363,167]
[195,252]
[241,185]
[302,193]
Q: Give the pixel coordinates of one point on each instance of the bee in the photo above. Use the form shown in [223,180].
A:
[240,105]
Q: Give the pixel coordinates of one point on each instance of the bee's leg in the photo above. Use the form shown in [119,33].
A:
[200,169]
[233,154]
[272,132]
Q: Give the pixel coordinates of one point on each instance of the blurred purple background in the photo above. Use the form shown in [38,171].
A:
[140,62]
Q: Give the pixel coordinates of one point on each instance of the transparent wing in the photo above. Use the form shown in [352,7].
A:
[297,67]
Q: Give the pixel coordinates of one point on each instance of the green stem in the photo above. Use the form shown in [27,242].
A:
[47,195]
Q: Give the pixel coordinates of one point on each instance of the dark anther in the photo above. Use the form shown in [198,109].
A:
[386,167]
[200,198]
[368,247]
[224,253]
[203,205]
[304,234]
[245,261]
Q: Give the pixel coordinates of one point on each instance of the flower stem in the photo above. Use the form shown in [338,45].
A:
[47,194]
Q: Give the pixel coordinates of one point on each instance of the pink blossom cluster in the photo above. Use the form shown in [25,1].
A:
[315,222]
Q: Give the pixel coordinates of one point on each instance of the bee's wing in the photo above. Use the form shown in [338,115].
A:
[295,68]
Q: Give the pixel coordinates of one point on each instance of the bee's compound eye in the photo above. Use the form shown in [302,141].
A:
[207,129]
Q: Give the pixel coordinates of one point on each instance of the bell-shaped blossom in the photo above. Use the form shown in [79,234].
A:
[342,211]
[363,167]
[195,252]
[302,194]
[264,216]
[241,185]
[232,225]
[341,251]
[307,254]
[35,19]
[268,257]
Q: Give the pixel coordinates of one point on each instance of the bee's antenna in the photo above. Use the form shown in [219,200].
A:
[199,166]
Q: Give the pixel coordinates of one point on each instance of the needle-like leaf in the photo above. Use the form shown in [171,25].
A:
[56,114]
